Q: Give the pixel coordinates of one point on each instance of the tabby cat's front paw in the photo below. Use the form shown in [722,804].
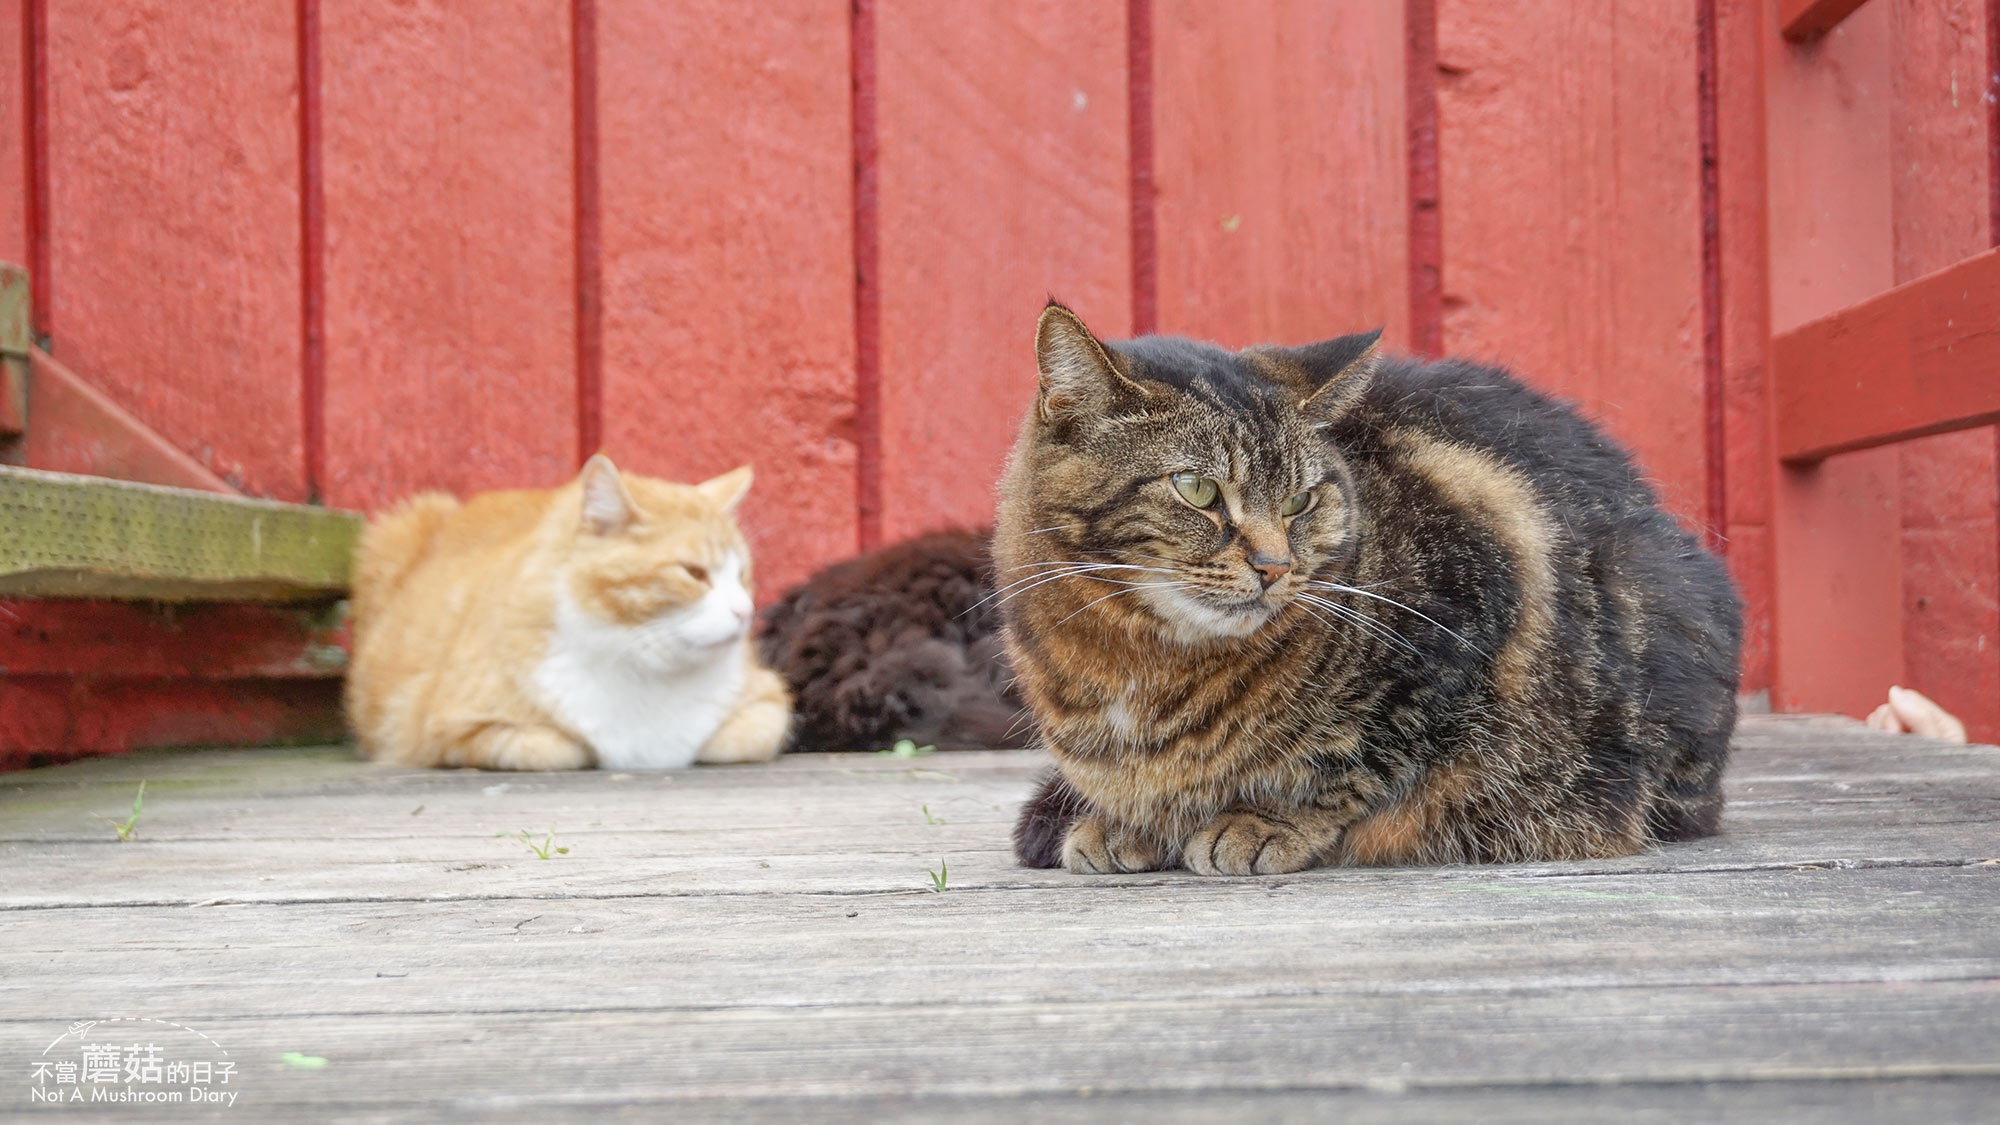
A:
[1096,848]
[1248,843]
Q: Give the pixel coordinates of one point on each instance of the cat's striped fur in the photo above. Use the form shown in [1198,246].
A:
[1485,640]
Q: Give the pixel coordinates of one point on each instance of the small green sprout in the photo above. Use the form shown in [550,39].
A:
[938,877]
[526,839]
[130,824]
[303,1062]
[928,818]
[906,748]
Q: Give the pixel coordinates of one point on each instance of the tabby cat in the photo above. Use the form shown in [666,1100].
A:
[902,642]
[606,622]
[1285,607]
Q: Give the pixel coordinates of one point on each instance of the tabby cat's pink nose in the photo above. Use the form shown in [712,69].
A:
[1270,568]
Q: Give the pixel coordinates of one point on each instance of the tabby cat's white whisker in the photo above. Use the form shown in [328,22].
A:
[1047,570]
[1136,587]
[1037,581]
[1349,613]
[1306,608]
[1059,570]
[1343,589]
[1072,563]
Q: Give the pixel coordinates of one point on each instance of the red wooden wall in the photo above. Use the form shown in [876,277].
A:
[343,251]
[1880,139]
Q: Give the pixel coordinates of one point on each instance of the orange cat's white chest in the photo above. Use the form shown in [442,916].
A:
[647,696]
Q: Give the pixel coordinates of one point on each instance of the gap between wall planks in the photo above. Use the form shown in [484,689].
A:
[867,282]
[1145,192]
[1744,283]
[1993,186]
[35,107]
[1426,230]
[1714,437]
[312,254]
[589,231]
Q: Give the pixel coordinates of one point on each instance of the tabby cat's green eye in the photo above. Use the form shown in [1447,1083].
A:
[1196,489]
[1297,505]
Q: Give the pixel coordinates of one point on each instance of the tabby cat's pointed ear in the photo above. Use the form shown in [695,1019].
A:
[728,490]
[1340,370]
[1079,376]
[607,507]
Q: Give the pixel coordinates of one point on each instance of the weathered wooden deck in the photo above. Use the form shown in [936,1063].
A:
[764,942]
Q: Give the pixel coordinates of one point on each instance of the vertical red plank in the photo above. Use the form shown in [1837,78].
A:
[174,251]
[1940,130]
[1838,560]
[727,189]
[1742,281]
[1420,86]
[1282,168]
[16,110]
[1570,168]
[1005,177]
[450,307]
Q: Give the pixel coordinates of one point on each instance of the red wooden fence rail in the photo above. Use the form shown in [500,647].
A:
[1922,359]
[1808,19]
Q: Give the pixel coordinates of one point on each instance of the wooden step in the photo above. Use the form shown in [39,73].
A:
[71,536]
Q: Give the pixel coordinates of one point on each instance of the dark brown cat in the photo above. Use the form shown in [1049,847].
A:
[903,642]
[1306,606]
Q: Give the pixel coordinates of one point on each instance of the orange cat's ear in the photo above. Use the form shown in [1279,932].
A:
[727,491]
[607,507]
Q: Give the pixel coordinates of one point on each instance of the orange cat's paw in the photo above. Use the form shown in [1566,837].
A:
[754,734]
[1248,843]
[1096,848]
[532,748]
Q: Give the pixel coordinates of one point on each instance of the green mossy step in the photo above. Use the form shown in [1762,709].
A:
[67,536]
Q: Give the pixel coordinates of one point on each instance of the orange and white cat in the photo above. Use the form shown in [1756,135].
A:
[605,622]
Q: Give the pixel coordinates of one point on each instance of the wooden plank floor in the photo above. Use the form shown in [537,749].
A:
[762,942]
